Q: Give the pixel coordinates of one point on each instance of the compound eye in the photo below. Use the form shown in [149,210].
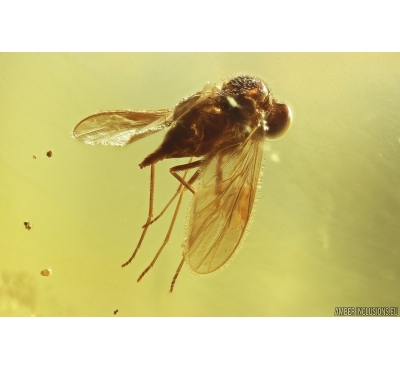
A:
[279,121]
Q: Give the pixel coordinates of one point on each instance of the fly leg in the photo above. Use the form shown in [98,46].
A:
[186,167]
[178,270]
[174,171]
[183,183]
[149,216]
[181,189]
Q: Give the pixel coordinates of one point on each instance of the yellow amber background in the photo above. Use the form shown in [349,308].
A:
[326,231]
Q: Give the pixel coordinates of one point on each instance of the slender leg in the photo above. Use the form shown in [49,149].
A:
[165,240]
[178,270]
[149,216]
[180,191]
[185,167]
[184,184]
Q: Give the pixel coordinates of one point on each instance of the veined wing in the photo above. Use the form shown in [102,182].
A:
[121,127]
[222,204]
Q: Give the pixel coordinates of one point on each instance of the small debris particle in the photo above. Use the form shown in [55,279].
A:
[45,272]
[115,312]
[49,153]
[34,156]
[27,225]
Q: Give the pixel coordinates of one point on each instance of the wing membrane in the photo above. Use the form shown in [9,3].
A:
[223,203]
[121,127]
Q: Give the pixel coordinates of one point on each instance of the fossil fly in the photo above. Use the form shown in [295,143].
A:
[224,128]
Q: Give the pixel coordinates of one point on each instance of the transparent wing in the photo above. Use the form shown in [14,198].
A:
[121,127]
[223,203]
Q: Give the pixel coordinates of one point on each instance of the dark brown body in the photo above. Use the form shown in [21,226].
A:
[204,125]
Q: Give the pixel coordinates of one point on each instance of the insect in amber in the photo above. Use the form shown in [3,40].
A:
[225,127]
